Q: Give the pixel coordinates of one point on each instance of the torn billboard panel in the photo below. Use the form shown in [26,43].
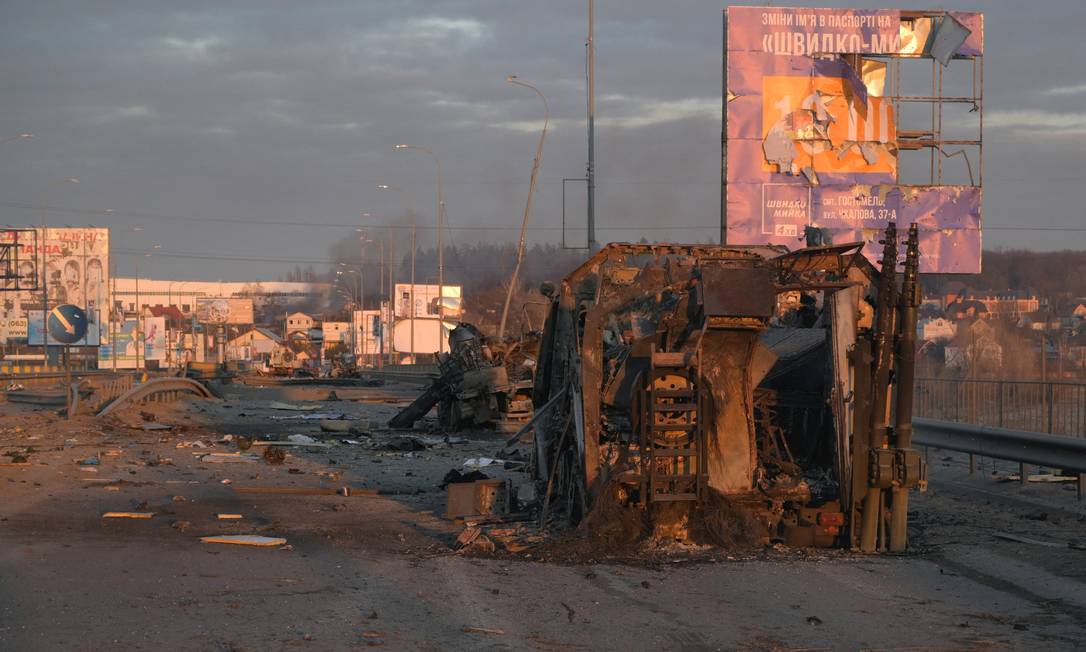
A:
[812,130]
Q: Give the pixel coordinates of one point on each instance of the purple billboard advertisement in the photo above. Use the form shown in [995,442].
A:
[812,132]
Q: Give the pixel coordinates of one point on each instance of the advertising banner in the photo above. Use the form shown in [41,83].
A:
[812,137]
[224,311]
[128,346]
[13,327]
[76,262]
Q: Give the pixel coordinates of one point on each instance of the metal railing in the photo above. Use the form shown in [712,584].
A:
[1053,407]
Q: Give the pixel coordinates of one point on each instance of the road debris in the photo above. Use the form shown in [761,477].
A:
[454,476]
[403,443]
[246,540]
[489,631]
[137,515]
[274,455]
[482,497]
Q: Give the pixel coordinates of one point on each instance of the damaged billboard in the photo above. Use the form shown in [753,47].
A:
[73,265]
[813,130]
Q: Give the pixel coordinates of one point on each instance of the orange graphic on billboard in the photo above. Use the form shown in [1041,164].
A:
[830,128]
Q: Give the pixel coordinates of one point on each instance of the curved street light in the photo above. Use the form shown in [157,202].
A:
[512,79]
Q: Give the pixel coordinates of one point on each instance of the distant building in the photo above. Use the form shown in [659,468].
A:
[426,301]
[258,341]
[966,309]
[183,294]
[335,332]
[299,322]
[1010,304]
[1005,305]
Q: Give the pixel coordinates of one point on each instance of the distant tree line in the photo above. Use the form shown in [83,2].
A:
[1056,275]
[483,270]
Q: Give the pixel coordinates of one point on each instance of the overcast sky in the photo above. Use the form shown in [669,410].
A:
[177,114]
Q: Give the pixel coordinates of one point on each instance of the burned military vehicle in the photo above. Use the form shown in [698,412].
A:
[672,376]
[480,383]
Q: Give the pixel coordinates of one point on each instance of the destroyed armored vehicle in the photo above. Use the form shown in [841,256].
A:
[478,385]
[675,378]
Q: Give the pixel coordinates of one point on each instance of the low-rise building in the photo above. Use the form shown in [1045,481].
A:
[259,342]
[299,322]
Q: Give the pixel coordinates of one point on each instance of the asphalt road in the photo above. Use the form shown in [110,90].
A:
[378,570]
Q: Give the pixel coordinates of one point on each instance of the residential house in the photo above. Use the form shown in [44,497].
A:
[299,322]
[259,342]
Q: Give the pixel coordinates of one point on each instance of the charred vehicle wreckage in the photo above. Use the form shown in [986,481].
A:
[674,379]
[480,383]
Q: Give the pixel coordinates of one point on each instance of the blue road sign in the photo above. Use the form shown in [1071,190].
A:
[67,323]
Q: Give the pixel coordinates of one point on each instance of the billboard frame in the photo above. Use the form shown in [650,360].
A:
[899,92]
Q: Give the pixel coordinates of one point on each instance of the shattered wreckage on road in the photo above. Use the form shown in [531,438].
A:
[680,378]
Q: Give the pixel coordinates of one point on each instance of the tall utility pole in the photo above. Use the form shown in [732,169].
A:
[386,332]
[113,315]
[412,313]
[724,133]
[590,175]
[440,247]
[512,79]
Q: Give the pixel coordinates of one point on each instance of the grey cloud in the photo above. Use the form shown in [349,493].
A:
[281,110]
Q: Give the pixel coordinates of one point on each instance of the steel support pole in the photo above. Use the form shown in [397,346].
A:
[440,258]
[904,370]
[871,523]
[411,315]
[590,172]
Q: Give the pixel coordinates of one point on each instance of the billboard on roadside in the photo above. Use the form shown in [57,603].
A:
[76,271]
[224,311]
[127,347]
[815,135]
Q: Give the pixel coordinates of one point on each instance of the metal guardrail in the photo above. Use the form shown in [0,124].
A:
[1054,451]
[1052,407]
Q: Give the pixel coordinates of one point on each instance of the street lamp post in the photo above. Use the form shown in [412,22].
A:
[44,267]
[512,79]
[411,294]
[440,246]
